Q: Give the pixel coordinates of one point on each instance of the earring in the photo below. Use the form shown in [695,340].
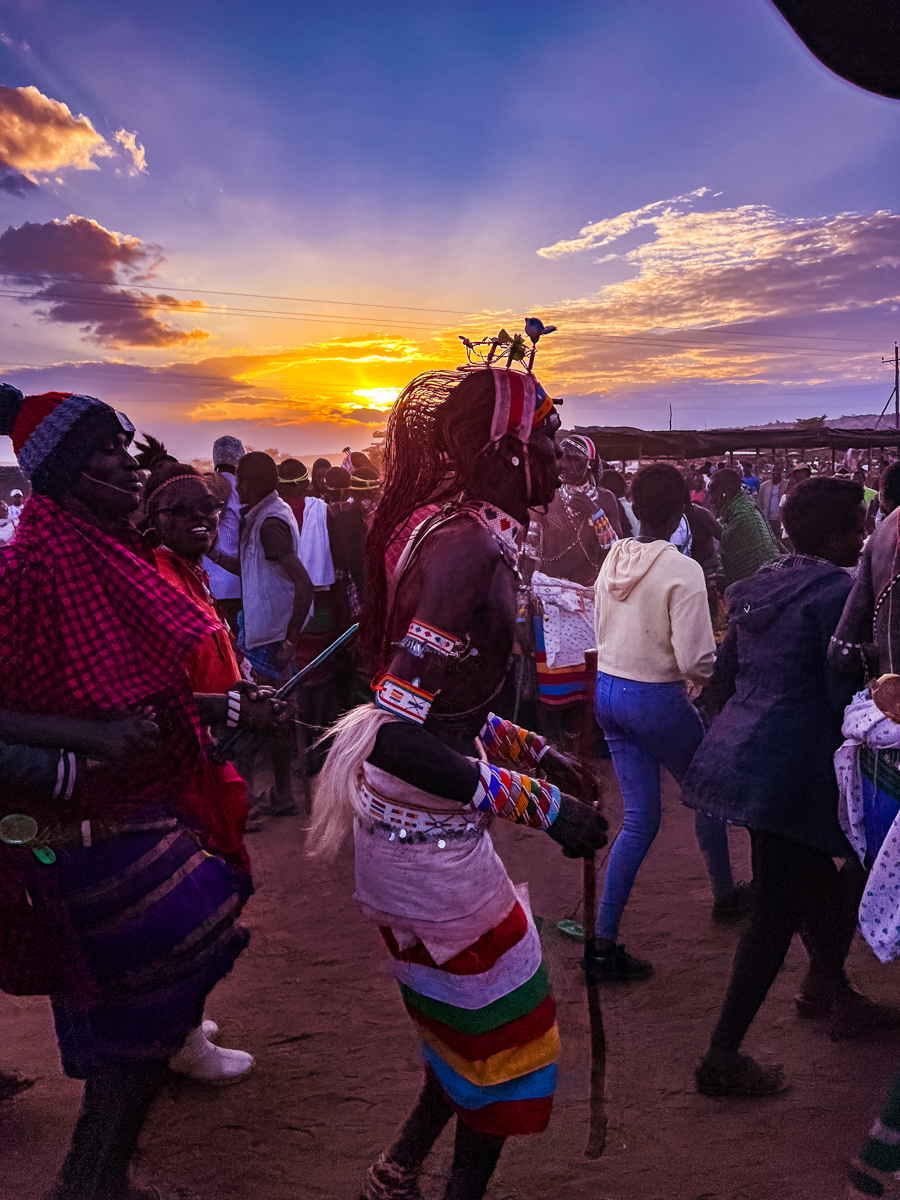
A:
[514,461]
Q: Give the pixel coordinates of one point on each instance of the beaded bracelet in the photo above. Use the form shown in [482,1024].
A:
[848,646]
[504,739]
[517,798]
[234,709]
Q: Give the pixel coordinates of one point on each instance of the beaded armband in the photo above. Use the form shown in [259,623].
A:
[516,797]
[422,639]
[606,535]
[503,739]
[407,700]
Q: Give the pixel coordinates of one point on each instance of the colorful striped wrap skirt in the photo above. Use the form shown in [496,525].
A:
[466,954]
[154,919]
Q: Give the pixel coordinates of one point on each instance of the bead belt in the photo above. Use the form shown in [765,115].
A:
[380,816]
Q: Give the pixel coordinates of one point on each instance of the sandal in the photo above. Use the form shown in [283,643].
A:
[740,1076]
[387,1179]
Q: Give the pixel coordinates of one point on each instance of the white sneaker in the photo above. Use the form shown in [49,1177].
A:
[200,1060]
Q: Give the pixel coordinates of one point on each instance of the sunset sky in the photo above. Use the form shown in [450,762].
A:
[264,219]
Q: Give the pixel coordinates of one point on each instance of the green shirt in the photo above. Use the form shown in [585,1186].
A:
[747,539]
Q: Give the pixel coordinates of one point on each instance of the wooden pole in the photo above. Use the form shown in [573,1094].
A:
[597,1120]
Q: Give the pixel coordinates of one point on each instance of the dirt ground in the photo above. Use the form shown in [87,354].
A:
[337,1066]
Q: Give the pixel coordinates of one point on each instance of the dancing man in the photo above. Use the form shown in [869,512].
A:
[413,770]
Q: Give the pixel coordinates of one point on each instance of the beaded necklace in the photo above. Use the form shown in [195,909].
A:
[503,529]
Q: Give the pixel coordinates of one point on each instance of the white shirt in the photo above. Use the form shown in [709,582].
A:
[222,584]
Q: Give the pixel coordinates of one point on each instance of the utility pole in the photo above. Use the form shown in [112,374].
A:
[670,418]
[895,394]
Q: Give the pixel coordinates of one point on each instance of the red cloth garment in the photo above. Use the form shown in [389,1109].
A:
[89,630]
[213,666]
[394,552]
[297,505]
[216,794]
[475,959]
[505,1118]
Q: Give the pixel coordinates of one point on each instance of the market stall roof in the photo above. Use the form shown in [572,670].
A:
[625,442]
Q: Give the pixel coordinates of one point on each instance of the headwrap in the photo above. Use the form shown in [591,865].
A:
[520,404]
[583,444]
[55,433]
[227,451]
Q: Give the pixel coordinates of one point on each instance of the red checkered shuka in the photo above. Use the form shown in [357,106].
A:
[88,630]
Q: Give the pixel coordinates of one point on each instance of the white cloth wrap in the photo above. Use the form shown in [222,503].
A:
[446,897]
[879,912]
[568,619]
[315,548]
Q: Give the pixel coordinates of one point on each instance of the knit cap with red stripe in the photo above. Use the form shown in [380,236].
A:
[54,434]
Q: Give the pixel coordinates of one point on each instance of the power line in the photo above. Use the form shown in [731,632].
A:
[153,305]
[661,342]
[674,337]
[245,295]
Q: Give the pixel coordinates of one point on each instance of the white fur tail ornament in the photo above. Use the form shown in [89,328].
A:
[337,791]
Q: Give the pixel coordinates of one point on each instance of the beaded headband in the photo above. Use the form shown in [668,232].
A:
[304,478]
[165,484]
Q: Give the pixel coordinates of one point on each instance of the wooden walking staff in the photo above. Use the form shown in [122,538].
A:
[597,1123]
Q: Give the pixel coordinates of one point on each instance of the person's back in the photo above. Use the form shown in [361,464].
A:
[652,617]
[747,540]
[750,481]
[653,633]
[784,698]
[705,532]
[767,764]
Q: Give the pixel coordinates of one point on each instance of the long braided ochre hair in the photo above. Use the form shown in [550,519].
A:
[437,431]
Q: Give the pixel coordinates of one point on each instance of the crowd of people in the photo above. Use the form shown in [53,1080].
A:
[149,609]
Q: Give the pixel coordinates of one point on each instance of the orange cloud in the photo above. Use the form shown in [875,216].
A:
[40,136]
[703,279]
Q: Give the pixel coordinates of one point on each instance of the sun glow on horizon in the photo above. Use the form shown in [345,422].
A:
[378,397]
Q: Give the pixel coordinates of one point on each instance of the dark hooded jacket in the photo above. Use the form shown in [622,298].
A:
[767,761]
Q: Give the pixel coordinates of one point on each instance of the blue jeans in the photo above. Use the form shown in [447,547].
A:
[648,726]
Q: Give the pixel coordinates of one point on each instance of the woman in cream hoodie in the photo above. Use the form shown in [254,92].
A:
[653,633]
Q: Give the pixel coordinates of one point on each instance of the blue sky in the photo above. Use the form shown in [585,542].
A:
[421,155]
